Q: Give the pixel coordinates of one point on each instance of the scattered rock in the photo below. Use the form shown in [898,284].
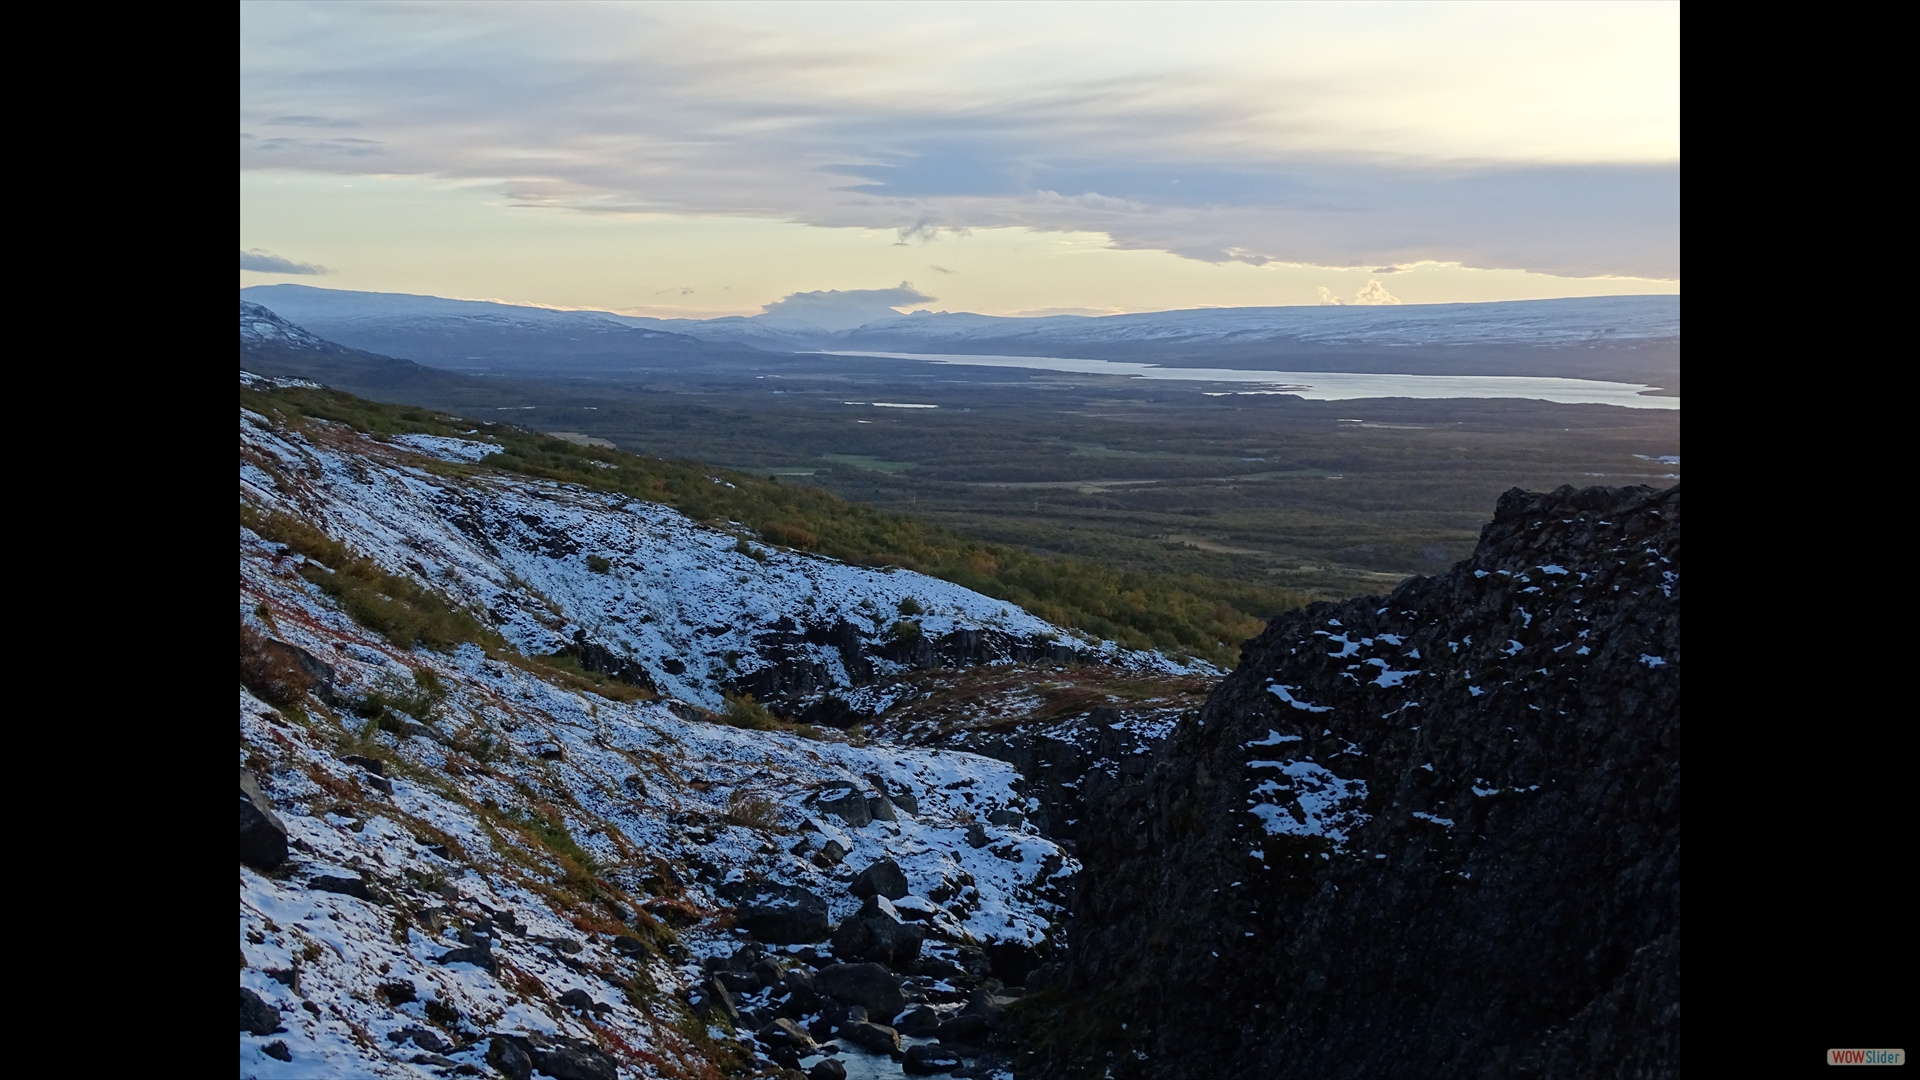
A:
[256,1015]
[399,993]
[868,985]
[1012,819]
[884,878]
[976,835]
[263,837]
[877,1038]
[629,946]
[277,1049]
[510,1057]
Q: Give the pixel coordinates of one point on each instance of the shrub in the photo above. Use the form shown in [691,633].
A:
[744,712]
[271,670]
[904,630]
[910,606]
[599,565]
[793,536]
[756,812]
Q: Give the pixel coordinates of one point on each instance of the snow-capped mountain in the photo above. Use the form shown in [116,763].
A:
[434,330]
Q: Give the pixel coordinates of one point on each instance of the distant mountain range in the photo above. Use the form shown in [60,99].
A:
[1627,337]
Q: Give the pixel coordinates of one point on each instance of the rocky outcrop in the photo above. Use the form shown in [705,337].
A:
[1428,835]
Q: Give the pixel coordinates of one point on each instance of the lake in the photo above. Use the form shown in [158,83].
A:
[1328,385]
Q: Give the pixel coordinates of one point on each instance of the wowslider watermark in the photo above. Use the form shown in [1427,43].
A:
[1866,1057]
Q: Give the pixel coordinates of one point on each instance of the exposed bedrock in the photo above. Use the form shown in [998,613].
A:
[1428,835]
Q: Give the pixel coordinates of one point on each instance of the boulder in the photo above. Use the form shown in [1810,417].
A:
[869,985]
[629,946]
[716,1002]
[580,999]
[930,1058]
[877,1038]
[786,1033]
[480,956]
[510,1056]
[880,808]
[851,808]
[1012,819]
[780,914]
[256,1015]
[277,1049]
[976,835]
[884,878]
[829,1069]
[575,1063]
[968,1028]
[263,837]
[344,886]
[917,1022]
[882,938]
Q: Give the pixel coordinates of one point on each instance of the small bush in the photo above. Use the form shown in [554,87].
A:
[904,630]
[749,550]
[793,536]
[744,712]
[599,565]
[910,606]
[755,812]
[270,670]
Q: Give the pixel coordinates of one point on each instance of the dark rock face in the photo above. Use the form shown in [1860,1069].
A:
[263,838]
[1431,835]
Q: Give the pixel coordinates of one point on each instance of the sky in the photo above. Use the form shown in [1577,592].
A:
[698,160]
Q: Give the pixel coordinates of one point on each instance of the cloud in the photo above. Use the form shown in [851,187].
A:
[1374,295]
[261,262]
[1327,299]
[836,309]
[941,269]
[1388,270]
[1542,139]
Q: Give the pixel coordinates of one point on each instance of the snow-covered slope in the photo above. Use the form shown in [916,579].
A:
[679,599]
[530,844]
